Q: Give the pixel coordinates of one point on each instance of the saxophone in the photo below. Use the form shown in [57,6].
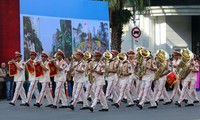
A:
[90,74]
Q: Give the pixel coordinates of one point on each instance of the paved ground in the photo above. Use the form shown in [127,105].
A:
[170,112]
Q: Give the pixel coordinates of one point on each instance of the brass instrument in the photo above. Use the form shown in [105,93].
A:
[141,68]
[90,74]
[183,68]
[107,56]
[121,58]
[87,55]
[162,64]
[70,73]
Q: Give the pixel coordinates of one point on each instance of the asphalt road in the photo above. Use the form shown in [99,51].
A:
[169,112]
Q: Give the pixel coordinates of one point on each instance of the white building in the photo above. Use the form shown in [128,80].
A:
[169,27]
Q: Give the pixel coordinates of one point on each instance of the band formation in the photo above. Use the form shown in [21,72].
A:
[129,76]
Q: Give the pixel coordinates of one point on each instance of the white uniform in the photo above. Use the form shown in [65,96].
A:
[111,79]
[80,80]
[131,85]
[191,78]
[33,87]
[19,79]
[160,85]
[146,83]
[177,84]
[45,80]
[90,87]
[125,68]
[60,79]
[99,82]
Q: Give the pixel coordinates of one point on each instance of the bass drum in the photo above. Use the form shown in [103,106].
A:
[171,79]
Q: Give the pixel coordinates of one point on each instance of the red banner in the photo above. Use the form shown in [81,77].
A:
[38,70]
[12,69]
[29,68]
[53,70]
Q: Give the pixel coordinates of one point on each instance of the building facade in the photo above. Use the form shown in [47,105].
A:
[170,25]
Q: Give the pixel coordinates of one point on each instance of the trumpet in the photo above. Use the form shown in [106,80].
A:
[53,60]
[11,61]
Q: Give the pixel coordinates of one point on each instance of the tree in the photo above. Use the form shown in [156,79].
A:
[120,16]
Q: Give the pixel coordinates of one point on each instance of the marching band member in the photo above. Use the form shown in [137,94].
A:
[164,68]
[79,77]
[19,78]
[45,80]
[147,78]
[175,63]
[110,73]
[98,72]
[188,74]
[192,90]
[32,78]
[114,91]
[131,85]
[124,75]
[90,80]
[60,79]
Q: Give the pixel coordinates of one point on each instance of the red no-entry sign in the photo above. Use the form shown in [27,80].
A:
[136,32]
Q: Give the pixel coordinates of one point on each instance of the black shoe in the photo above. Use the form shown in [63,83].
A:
[103,110]
[80,102]
[152,107]
[116,105]
[54,106]
[89,99]
[91,109]
[166,103]
[136,101]
[124,100]
[13,104]
[84,108]
[35,104]
[156,103]
[38,104]
[98,102]
[147,102]
[178,104]
[60,102]
[71,101]
[71,107]
[49,105]
[188,105]
[26,104]
[64,106]
[185,100]
[111,100]
[140,106]
[131,105]
[161,100]
[196,101]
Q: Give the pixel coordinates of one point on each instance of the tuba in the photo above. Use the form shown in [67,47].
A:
[183,68]
[141,68]
[87,55]
[107,56]
[161,57]
[121,58]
